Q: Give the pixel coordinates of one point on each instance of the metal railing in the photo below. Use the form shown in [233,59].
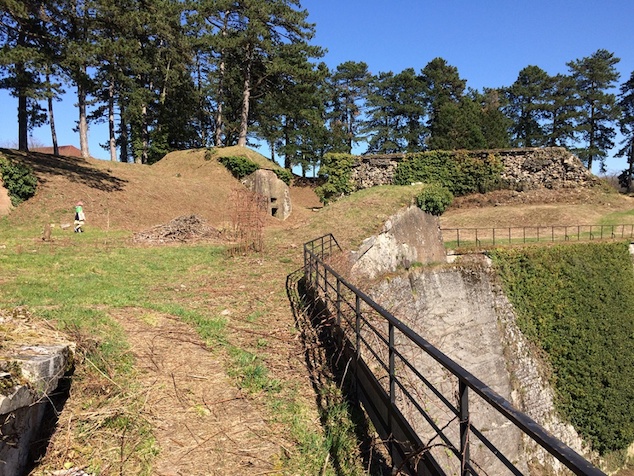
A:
[479,237]
[398,394]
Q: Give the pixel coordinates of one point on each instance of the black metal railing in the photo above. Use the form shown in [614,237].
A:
[481,237]
[427,424]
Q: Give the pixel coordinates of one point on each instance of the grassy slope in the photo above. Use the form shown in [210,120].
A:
[127,197]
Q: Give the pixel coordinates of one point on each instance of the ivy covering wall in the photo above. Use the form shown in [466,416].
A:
[576,302]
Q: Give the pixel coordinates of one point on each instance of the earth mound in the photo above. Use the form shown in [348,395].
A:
[183,229]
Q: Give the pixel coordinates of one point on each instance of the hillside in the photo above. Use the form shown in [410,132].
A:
[132,196]
[229,315]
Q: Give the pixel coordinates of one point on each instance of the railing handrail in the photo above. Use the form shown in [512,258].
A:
[536,432]
[495,235]
[533,226]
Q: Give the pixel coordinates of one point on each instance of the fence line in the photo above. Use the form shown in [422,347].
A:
[389,383]
[479,237]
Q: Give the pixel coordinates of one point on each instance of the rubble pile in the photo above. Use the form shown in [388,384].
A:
[186,228]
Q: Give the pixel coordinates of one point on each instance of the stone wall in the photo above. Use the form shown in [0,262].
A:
[524,169]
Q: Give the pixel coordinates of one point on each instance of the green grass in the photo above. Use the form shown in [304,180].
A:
[618,218]
[77,280]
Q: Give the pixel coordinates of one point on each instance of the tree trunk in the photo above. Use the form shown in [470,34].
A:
[23,122]
[272,147]
[218,119]
[123,134]
[201,108]
[630,170]
[288,165]
[83,121]
[221,84]
[591,144]
[144,136]
[246,95]
[23,116]
[112,143]
[51,117]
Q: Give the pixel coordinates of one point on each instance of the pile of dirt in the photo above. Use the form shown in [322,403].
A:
[184,229]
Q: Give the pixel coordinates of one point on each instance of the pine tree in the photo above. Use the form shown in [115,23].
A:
[527,107]
[454,119]
[493,123]
[26,53]
[562,111]
[395,113]
[349,89]
[598,111]
[626,124]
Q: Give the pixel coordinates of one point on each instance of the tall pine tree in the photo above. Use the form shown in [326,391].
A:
[626,124]
[598,111]
[527,107]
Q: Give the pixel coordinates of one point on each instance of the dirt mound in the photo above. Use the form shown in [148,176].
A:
[184,229]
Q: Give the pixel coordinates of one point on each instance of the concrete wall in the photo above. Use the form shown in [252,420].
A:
[460,308]
[524,169]
[24,399]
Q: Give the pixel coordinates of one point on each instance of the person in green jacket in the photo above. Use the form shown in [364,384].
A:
[80,218]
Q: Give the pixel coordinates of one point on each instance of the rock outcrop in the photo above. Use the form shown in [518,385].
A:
[410,237]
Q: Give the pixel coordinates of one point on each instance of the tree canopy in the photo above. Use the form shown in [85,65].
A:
[174,74]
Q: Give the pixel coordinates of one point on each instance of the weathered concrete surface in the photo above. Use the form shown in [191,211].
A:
[462,311]
[5,201]
[28,374]
[411,236]
[266,183]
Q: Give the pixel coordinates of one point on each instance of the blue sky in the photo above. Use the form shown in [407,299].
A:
[489,41]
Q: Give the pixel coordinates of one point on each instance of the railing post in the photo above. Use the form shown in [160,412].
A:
[338,303]
[493,236]
[392,370]
[325,284]
[458,237]
[463,396]
[357,325]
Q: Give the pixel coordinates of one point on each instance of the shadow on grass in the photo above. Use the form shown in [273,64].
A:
[76,169]
[327,366]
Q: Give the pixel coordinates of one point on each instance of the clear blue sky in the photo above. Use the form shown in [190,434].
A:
[489,41]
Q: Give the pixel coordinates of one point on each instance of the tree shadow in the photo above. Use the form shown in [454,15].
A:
[75,169]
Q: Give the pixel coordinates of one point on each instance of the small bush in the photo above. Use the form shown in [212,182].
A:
[19,180]
[210,153]
[336,169]
[239,167]
[284,175]
[434,199]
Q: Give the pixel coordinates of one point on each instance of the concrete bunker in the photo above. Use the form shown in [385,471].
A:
[275,191]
